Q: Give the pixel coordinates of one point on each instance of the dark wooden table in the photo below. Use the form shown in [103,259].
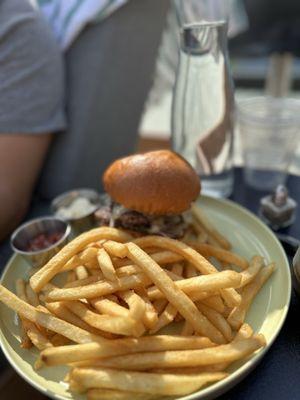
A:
[278,375]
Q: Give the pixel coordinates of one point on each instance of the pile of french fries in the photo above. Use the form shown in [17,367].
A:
[109,319]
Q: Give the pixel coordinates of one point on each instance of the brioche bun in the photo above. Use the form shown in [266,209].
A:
[158,182]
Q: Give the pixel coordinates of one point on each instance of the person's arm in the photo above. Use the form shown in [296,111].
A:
[31,105]
[21,160]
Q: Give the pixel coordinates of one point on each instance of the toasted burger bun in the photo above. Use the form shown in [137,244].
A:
[157,182]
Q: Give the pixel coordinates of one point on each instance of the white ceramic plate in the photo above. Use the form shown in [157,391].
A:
[248,235]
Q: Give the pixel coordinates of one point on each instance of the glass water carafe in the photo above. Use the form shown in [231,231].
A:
[202,111]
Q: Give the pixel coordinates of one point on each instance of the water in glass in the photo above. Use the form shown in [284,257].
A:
[202,110]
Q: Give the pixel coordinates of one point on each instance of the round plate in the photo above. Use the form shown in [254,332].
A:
[248,235]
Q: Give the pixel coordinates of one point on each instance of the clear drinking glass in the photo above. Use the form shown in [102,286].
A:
[202,111]
[269,133]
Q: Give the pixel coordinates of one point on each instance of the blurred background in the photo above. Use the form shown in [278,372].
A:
[264,50]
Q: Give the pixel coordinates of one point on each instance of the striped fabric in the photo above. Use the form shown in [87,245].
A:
[68,17]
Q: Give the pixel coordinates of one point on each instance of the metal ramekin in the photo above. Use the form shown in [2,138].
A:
[87,221]
[29,230]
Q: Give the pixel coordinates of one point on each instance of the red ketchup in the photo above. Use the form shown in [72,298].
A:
[43,240]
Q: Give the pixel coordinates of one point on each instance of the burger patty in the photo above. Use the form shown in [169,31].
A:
[173,226]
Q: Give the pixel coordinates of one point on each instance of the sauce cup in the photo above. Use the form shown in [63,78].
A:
[27,232]
[86,220]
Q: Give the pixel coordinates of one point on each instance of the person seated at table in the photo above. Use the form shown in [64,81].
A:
[64,116]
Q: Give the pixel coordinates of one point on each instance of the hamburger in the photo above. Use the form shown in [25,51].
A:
[149,193]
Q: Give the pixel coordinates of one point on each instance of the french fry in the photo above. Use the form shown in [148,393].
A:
[191,370]
[189,234]
[214,302]
[217,320]
[185,251]
[185,358]
[152,250]
[202,236]
[127,270]
[42,308]
[96,245]
[197,295]
[24,324]
[231,297]
[46,273]
[106,306]
[98,289]
[62,312]
[227,311]
[21,289]
[118,325]
[170,313]
[74,386]
[237,315]
[59,340]
[32,297]
[95,272]
[88,257]
[198,229]
[249,274]
[71,277]
[113,297]
[117,285]
[213,242]
[46,320]
[212,231]
[88,254]
[178,318]
[150,317]
[160,384]
[160,305]
[30,326]
[25,339]
[71,264]
[165,318]
[106,265]
[244,332]
[162,258]
[202,283]
[187,329]
[176,272]
[172,275]
[173,294]
[81,272]
[86,281]
[177,269]
[220,254]
[137,306]
[92,351]
[115,249]
[40,341]
[190,271]
[109,394]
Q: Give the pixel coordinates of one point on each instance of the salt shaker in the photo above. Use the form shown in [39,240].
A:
[278,209]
